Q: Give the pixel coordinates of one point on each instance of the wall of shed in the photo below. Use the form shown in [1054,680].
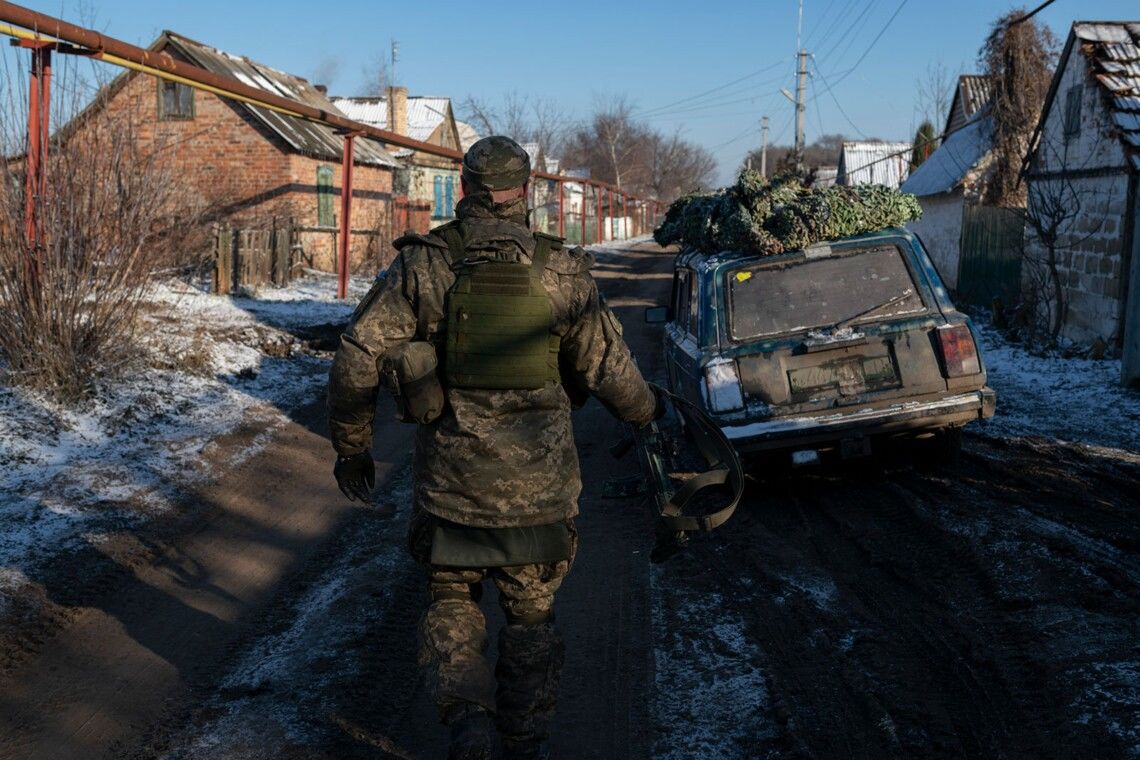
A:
[1089,256]
[1085,170]
[940,229]
[1095,147]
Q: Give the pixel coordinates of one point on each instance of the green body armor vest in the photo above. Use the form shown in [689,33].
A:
[499,321]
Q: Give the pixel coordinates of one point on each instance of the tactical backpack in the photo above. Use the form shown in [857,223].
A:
[500,320]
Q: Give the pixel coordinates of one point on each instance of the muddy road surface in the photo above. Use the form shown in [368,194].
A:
[988,608]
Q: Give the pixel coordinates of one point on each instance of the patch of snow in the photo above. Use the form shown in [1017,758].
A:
[626,243]
[1077,400]
[1111,699]
[710,697]
[124,455]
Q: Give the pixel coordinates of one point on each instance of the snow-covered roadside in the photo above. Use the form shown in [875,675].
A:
[72,476]
[1076,400]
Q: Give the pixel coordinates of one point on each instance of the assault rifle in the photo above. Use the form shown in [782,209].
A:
[654,454]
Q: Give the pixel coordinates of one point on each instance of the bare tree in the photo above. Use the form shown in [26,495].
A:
[1017,58]
[934,91]
[108,218]
[480,113]
[678,167]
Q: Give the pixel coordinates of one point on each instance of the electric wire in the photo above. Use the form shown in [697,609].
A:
[706,93]
[851,33]
[870,47]
[830,91]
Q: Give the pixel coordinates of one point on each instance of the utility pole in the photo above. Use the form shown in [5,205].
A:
[801,89]
[764,147]
[395,57]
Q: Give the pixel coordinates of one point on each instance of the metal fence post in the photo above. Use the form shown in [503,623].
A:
[561,209]
[345,216]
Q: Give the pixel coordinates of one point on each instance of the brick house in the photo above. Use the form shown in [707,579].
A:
[425,177]
[1083,173]
[249,165]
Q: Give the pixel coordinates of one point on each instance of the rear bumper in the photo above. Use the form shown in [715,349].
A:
[785,432]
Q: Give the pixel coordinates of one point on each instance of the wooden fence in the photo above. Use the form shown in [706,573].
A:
[991,249]
[252,258]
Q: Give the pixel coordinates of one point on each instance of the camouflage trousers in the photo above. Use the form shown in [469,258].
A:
[522,690]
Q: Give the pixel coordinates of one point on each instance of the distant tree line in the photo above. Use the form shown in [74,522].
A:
[610,144]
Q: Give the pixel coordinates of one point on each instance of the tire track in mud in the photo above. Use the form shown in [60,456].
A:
[887,630]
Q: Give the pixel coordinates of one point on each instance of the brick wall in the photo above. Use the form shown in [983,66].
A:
[245,174]
[1089,253]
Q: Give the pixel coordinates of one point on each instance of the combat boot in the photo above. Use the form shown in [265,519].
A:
[472,735]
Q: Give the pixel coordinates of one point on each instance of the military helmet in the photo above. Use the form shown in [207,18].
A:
[496,163]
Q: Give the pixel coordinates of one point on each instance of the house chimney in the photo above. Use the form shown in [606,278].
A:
[398,110]
[322,89]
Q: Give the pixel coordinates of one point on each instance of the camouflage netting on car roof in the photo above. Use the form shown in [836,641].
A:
[781,215]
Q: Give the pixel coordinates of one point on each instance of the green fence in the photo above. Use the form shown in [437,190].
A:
[990,261]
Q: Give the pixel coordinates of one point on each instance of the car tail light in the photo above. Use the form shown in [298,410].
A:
[959,354]
[722,386]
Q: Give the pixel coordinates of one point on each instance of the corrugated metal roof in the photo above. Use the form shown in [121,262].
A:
[882,163]
[1113,51]
[304,136]
[948,166]
[425,114]
[970,96]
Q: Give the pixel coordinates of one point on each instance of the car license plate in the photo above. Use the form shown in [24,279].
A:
[846,377]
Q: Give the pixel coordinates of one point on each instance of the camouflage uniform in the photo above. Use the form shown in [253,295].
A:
[495,458]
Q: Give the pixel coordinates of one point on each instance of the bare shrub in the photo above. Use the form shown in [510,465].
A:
[69,304]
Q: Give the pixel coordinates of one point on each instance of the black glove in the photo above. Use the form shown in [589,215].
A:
[356,475]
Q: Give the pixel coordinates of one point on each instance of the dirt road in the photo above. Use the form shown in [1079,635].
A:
[877,610]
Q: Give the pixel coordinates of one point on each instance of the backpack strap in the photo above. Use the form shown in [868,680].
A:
[454,238]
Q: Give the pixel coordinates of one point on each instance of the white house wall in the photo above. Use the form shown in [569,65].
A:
[1088,169]
[940,229]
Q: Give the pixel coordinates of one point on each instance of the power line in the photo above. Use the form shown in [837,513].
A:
[852,32]
[831,92]
[1032,13]
[870,47]
[706,93]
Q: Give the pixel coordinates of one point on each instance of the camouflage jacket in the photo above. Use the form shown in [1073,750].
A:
[495,458]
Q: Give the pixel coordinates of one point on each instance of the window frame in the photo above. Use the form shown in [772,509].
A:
[163,114]
[1074,109]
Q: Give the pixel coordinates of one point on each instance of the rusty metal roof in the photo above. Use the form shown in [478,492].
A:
[1112,49]
[306,137]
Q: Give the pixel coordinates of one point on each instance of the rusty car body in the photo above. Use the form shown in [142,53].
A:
[830,348]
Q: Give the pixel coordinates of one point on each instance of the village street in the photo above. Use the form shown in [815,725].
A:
[878,610]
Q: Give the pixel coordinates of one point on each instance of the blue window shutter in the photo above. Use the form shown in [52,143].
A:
[437,210]
[449,208]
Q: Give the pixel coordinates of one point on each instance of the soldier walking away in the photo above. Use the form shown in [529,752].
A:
[488,333]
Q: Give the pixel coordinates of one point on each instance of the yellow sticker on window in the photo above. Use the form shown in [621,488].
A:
[742,276]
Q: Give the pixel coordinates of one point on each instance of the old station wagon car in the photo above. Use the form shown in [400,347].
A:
[828,348]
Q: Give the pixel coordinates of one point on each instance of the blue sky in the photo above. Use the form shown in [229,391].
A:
[655,54]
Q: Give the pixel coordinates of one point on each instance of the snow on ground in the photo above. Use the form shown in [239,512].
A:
[71,475]
[1076,400]
[710,697]
[612,244]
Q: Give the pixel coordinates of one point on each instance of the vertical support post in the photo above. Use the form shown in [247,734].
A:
[345,216]
[561,209]
[39,124]
[585,198]
[598,230]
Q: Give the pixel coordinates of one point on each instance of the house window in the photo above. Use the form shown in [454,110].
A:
[437,206]
[449,197]
[1073,111]
[325,197]
[175,100]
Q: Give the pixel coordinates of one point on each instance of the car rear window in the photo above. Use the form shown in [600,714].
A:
[787,296]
